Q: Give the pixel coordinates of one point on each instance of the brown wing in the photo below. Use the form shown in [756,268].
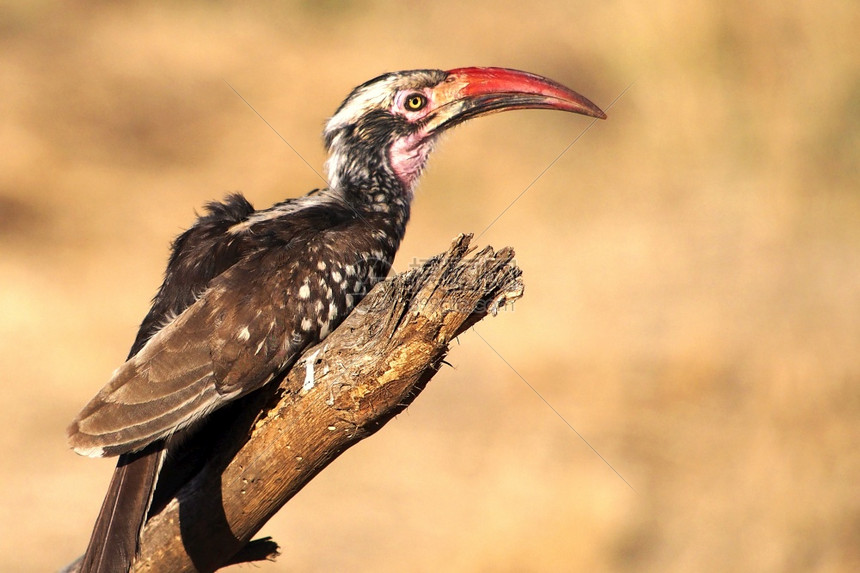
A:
[221,347]
[251,322]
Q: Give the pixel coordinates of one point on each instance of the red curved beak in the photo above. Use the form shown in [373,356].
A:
[473,92]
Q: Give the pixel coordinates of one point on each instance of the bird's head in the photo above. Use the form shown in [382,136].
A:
[390,123]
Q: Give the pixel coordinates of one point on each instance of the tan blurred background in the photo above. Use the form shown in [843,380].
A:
[692,272]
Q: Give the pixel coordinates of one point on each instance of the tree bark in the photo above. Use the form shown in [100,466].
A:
[265,449]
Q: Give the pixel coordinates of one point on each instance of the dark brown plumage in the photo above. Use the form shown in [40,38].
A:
[245,291]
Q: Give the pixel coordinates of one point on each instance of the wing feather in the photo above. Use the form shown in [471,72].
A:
[174,379]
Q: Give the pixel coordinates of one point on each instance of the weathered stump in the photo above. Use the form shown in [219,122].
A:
[264,450]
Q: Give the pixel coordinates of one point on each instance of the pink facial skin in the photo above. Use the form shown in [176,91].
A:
[408,156]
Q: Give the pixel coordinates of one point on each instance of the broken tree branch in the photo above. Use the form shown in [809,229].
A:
[340,392]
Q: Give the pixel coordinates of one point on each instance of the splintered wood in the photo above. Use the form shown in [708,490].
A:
[340,392]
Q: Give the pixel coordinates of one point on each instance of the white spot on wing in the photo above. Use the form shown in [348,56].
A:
[91,452]
[244,334]
[304,291]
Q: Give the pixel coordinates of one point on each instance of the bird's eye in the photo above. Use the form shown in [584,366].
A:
[414,102]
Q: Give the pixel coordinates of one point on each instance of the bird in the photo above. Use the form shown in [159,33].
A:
[245,291]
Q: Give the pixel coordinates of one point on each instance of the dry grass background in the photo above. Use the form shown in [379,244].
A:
[692,272]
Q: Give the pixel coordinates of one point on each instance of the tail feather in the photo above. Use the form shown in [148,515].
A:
[115,539]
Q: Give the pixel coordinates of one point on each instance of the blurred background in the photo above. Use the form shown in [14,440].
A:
[692,271]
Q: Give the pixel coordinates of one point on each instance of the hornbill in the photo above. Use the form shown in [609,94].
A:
[246,291]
